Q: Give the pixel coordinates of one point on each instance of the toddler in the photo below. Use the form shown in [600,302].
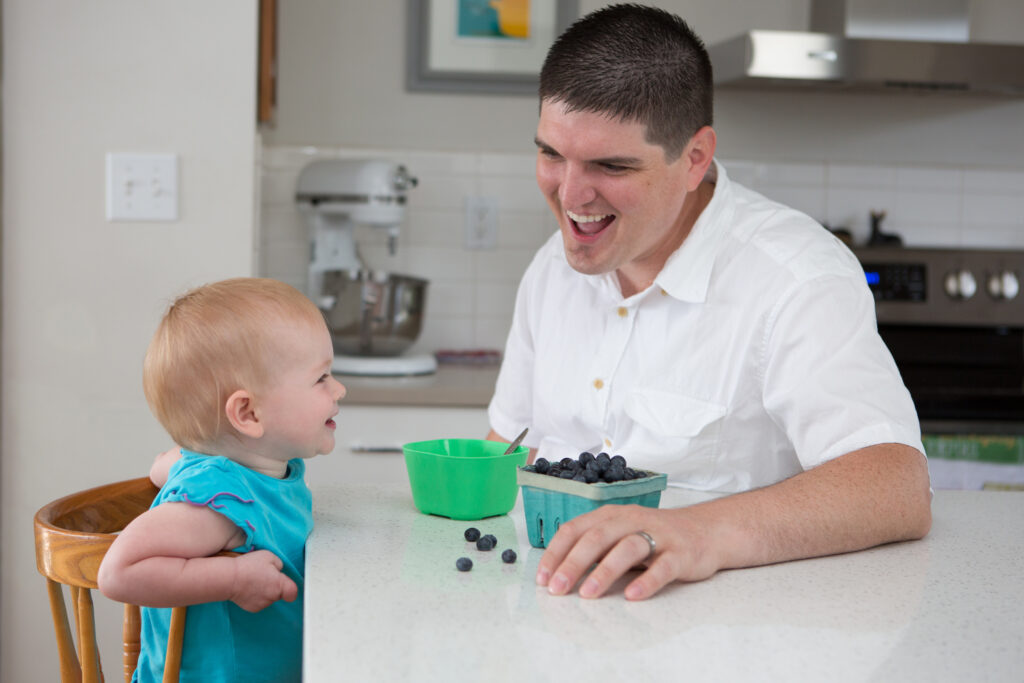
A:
[239,374]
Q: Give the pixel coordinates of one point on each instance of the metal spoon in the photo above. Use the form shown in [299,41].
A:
[515,444]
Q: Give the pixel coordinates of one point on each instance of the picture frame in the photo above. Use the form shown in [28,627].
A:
[442,55]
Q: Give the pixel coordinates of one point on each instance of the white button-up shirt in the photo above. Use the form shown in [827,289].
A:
[754,355]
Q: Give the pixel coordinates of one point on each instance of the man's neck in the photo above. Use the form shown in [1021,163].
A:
[631,283]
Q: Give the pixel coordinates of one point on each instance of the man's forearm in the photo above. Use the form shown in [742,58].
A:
[868,497]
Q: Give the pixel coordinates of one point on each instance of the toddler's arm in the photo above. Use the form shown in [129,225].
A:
[162,559]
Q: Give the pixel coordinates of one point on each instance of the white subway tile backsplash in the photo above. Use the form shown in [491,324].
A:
[861,175]
[1003,210]
[810,200]
[981,181]
[471,294]
[516,165]
[937,179]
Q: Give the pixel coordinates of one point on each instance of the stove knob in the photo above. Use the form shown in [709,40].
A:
[960,284]
[1004,285]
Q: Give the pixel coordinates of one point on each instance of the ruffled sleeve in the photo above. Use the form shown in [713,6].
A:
[210,481]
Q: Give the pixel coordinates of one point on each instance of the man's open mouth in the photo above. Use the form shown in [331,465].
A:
[589,224]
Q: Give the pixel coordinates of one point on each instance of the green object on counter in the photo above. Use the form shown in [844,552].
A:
[463,478]
[548,501]
[1003,450]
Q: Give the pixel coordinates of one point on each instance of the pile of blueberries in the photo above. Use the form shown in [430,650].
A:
[485,542]
[588,468]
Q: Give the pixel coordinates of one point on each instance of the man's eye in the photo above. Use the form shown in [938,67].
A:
[614,168]
[323,378]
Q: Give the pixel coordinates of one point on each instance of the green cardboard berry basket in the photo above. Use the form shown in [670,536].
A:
[549,502]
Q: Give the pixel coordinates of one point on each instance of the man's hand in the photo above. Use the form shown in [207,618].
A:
[875,495]
[259,581]
[608,537]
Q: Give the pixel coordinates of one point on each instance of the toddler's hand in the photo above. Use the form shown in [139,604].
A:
[259,581]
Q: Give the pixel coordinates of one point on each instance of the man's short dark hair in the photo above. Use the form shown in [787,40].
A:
[634,63]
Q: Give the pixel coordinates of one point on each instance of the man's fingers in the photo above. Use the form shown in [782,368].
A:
[630,551]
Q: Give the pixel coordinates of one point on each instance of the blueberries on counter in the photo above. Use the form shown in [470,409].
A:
[483,542]
[588,468]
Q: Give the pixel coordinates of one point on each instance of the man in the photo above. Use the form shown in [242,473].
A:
[696,328]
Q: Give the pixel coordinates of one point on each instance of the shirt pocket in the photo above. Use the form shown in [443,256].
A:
[674,433]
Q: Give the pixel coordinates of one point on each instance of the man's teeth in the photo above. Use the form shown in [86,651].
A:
[586,219]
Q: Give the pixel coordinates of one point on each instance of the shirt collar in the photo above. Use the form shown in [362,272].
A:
[687,272]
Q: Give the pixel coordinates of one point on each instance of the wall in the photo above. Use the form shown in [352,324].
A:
[81,296]
[946,169]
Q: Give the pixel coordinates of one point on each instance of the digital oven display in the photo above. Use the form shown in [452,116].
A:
[897,281]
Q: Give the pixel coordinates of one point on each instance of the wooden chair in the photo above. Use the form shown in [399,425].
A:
[72,536]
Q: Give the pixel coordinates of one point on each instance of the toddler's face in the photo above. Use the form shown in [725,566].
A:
[298,407]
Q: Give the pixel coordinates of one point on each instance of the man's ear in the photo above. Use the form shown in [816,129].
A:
[241,413]
[699,152]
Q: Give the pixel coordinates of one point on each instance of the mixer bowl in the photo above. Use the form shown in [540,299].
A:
[373,313]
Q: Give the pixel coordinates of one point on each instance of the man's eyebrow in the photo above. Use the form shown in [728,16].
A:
[607,161]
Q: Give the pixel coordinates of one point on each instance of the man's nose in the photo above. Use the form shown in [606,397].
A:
[576,189]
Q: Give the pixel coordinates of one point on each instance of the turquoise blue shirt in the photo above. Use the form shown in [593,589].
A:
[223,642]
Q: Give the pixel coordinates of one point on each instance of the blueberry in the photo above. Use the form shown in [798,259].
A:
[567,474]
[541,466]
[580,477]
[463,564]
[566,462]
[618,459]
[614,474]
[590,476]
[585,458]
[472,533]
[508,556]
[494,540]
[485,543]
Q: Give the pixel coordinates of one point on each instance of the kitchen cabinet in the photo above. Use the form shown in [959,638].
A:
[368,442]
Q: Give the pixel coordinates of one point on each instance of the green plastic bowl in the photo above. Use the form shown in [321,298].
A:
[463,478]
[549,502]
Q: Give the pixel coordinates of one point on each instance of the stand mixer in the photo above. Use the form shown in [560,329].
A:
[373,316]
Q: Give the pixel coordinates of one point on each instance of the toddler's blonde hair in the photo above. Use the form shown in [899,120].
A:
[212,341]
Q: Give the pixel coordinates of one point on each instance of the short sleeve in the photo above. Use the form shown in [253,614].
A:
[830,381]
[209,482]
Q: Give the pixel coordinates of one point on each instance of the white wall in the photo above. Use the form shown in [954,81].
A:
[81,296]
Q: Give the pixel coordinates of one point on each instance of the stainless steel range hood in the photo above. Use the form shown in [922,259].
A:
[919,45]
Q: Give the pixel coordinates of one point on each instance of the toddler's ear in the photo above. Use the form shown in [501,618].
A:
[241,413]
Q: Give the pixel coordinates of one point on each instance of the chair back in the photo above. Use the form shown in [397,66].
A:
[72,535]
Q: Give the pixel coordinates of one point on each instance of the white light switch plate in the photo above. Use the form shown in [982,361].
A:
[142,187]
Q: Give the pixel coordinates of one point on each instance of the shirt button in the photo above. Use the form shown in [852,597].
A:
[598,384]
[623,311]
[608,443]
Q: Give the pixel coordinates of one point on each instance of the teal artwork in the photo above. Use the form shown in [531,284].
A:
[492,19]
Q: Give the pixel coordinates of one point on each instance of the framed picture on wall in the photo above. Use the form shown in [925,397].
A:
[481,46]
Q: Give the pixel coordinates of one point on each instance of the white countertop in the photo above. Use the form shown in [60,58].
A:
[452,385]
[384,602]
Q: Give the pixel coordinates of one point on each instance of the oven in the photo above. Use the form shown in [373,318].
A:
[954,322]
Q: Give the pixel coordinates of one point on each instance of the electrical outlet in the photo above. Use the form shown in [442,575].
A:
[481,222]
[142,187]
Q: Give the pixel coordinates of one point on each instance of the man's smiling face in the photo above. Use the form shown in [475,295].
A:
[619,203]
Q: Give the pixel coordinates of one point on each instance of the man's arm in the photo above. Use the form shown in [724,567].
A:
[875,495]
